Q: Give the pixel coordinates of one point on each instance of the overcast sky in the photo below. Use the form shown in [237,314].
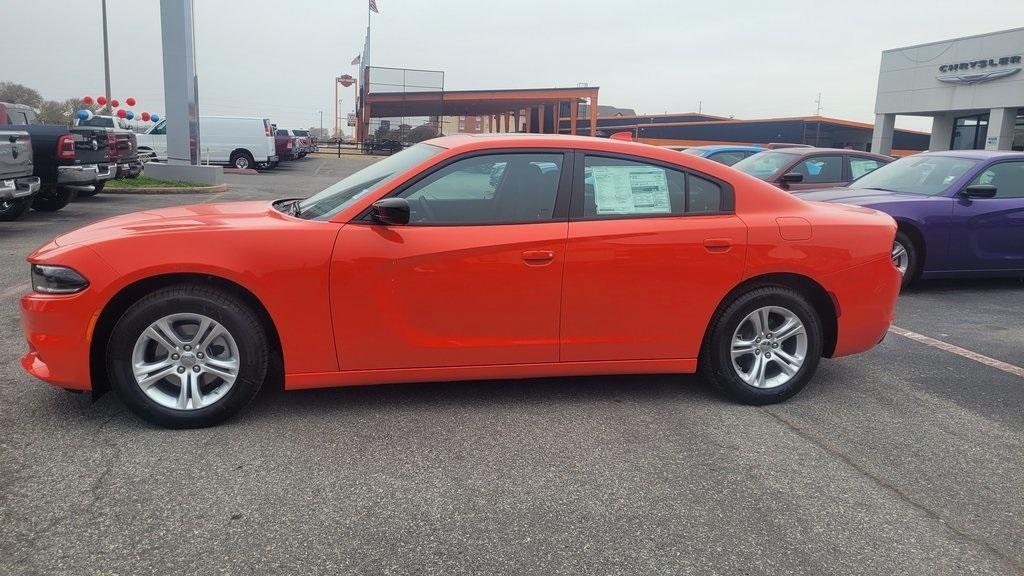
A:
[744,58]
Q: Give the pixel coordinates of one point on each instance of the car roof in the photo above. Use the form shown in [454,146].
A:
[810,151]
[975,154]
[523,140]
[727,147]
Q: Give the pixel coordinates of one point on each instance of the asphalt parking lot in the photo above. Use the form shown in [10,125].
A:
[905,460]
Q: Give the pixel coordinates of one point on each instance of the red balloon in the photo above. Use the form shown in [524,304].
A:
[145,116]
[87,100]
[101,100]
[129,101]
[115,103]
[120,113]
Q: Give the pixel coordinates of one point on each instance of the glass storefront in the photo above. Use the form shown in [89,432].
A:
[969,132]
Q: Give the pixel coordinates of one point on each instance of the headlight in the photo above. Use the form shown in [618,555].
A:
[57,280]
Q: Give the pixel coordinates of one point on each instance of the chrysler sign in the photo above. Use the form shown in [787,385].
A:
[977,71]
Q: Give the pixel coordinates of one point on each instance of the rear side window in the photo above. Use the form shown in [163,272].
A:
[614,187]
[820,169]
[282,132]
[861,166]
[728,158]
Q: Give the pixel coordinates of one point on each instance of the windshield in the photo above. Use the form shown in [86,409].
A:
[927,175]
[764,165]
[341,195]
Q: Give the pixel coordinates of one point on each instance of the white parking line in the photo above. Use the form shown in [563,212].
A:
[952,348]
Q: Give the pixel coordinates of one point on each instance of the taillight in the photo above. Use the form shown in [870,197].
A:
[111,146]
[66,147]
[266,128]
[289,145]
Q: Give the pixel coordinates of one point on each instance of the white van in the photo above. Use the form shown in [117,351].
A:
[235,141]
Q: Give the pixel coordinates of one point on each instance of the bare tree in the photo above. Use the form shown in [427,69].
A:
[62,112]
[19,94]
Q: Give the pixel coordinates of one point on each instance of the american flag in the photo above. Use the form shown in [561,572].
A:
[357,59]
[373,6]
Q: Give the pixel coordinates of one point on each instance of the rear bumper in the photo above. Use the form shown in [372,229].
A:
[865,299]
[129,169]
[19,187]
[86,174]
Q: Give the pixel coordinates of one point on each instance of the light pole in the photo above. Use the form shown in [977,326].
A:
[106,56]
[321,134]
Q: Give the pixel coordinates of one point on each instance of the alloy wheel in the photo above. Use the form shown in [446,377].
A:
[185,361]
[768,347]
[900,257]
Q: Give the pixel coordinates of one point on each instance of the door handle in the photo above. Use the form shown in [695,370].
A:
[717,244]
[538,256]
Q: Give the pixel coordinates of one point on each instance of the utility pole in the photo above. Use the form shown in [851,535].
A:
[700,106]
[321,134]
[817,135]
[106,56]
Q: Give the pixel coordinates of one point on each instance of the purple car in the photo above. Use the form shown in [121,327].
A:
[960,213]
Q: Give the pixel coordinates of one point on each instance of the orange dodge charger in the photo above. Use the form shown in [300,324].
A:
[465,257]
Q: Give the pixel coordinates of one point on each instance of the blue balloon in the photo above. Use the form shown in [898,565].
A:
[83,114]
[130,114]
[155,118]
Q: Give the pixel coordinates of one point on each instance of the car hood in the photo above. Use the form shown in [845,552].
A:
[859,196]
[176,219]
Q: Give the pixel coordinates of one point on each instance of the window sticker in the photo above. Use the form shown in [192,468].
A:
[630,190]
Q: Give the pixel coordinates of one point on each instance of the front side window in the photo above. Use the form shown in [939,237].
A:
[1007,177]
[490,189]
[927,175]
[861,166]
[614,187]
[330,201]
[819,169]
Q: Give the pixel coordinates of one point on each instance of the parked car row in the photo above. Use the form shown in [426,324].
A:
[46,165]
[959,213]
[293,144]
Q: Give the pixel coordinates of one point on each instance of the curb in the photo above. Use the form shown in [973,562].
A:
[249,171]
[168,190]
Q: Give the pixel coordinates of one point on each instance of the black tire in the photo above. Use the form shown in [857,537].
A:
[97,188]
[242,160]
[53,199]
[913,258]
[11,210]
[716,362]
[217,304]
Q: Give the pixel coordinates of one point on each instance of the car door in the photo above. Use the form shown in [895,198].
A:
[652,250]
[818,171]
[988,233]
[473,279]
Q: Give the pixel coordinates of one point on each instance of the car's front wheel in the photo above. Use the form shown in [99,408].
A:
[187,356]
[764,346]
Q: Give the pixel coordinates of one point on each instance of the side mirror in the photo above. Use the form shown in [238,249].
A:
[392,211]
[979,191]
[792,177]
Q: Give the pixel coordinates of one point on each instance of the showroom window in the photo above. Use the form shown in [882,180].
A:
[614,187]
[1007,177]
[820,169]
[490,189]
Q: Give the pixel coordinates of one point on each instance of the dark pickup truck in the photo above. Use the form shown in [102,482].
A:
[16,179]
[66,159]
[128,163]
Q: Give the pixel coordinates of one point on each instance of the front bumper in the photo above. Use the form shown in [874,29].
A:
[19,187]
[86,174]
[57,328]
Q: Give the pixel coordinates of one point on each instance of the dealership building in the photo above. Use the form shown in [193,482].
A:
[971,87]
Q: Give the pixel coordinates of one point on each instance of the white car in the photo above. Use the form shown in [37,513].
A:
[235,141]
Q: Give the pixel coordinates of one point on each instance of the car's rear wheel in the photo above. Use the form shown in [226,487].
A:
[905,258]
[53,199]
[187,356]
[242,160]
[11,210]
[764,346]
